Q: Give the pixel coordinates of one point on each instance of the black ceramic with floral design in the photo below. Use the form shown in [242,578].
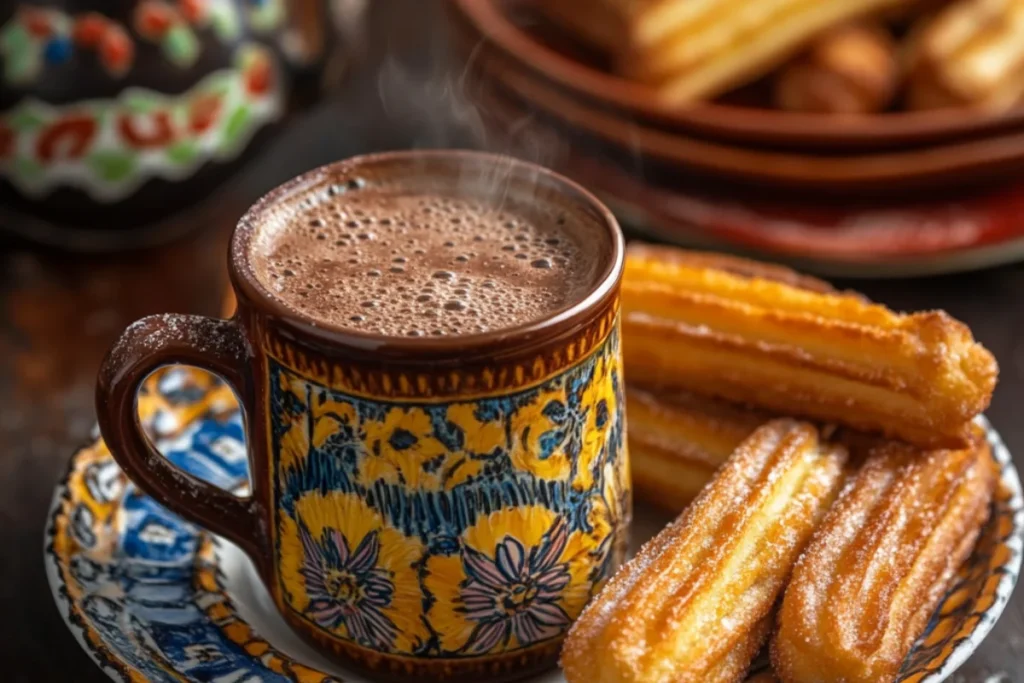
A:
[112,112]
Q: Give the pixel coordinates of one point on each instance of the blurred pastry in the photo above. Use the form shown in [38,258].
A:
[971,53]
[852,69]
[692,50]
[885,555]
[696,603]
[678,440]
[833,357]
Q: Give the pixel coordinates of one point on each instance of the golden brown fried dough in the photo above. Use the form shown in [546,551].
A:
[692,50]
[678,440]
[695,604]
[852,69]
[827,356]
[971,53]
[885,555]
[736,265]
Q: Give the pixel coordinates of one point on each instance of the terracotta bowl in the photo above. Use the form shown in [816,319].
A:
[863,236]
[511,28]
[888,172]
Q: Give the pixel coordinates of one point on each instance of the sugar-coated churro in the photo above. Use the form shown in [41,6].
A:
[695,604]
[677,440]
[828,356]
[886,553]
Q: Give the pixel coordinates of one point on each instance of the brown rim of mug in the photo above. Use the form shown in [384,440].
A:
[516,339]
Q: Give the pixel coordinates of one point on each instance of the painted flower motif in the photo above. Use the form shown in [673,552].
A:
[295,446]
[331,417]
[545,436]
[609,518]
[348,572]
[346,587]
[520,578]
[479,441]
[403,449]
[599,406]
[515,594]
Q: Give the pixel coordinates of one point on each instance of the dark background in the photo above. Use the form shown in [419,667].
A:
[60,312]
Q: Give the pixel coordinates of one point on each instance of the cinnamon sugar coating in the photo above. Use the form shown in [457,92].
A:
[696,603]
[886,553]
[678,439]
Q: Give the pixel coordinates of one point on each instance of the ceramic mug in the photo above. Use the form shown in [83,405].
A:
[441,508]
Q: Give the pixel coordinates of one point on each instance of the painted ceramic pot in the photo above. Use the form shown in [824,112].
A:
[111,112]
[440,508]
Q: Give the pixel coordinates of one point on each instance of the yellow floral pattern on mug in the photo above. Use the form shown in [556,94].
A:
[349,573]
[520,577]
[499,509]
[599,406]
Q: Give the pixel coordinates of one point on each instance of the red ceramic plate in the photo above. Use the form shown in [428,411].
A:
[959,230]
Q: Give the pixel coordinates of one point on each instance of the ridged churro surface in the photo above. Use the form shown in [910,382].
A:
[823,355]
[677,440]
[970,54]
[695,604]
[697,49]
[885,555]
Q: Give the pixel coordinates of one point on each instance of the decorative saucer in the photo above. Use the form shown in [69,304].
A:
[151,597]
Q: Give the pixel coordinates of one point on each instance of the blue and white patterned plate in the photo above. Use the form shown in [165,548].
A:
[153,598]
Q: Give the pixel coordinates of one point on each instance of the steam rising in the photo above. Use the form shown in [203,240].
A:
[451,102]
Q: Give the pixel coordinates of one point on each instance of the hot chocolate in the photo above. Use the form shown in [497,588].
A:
[379,257]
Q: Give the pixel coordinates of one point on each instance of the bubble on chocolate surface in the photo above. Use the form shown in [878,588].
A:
[386,260]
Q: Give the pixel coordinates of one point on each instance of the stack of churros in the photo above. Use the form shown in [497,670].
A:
[691,50]
[837,57]
[724,358]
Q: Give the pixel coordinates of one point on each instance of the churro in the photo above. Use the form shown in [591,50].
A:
[971,53]
[828,356]
[677,440]
[696,603]
[886,553]
[697,49]
[852,69]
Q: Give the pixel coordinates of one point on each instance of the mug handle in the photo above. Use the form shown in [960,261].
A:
[218,346]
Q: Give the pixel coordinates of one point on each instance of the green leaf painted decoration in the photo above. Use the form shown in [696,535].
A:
[182,152]
[112,165]
[140,103]
[25,120]
[224,20]
[181,46]
[235,126]
[15,38]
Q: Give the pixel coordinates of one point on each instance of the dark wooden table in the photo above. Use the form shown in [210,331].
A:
[61,311]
